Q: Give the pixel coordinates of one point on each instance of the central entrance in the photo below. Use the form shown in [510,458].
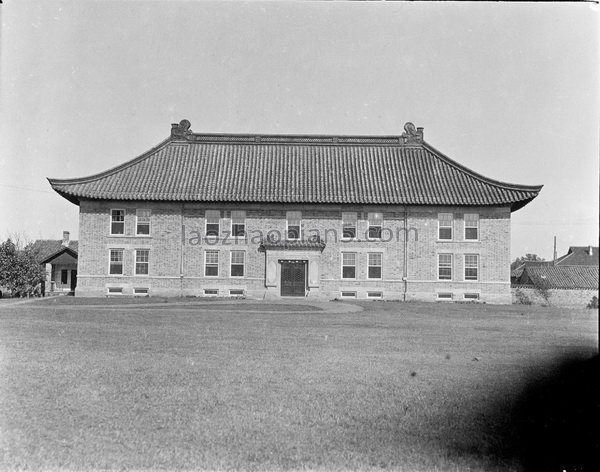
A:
[293,278]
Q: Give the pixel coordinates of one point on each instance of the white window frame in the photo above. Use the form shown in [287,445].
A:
[289,215]
[206,223]
[110,252]
[348,265]
[243,264]
[369,265]
[439,266]
[211,251]
[451,226]
[470,217]
[349,220]
[372,219]
[147,263]
[137,221]
[471,267]
[122,222]
[240,214]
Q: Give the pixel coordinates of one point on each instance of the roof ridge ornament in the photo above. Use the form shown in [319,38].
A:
[181,129]
[412,134]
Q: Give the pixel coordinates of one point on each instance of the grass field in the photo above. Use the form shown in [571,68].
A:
[87,384]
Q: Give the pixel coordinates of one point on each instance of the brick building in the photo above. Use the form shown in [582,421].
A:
[314,216]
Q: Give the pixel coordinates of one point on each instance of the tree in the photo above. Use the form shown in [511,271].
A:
[526,258]
[20,271]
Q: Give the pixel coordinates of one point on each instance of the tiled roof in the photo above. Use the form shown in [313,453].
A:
[580,256]
[295,169]
[44,248]
[293,244]
[566,277]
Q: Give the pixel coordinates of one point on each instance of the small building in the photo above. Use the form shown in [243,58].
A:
[60,260]
[269,216]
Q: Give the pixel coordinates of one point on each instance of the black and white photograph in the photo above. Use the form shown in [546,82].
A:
[299,236]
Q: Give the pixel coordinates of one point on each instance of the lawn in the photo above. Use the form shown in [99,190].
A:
[174,385]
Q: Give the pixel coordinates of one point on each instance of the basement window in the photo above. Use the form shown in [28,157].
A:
[236,292]
[141,291]
[471,296]
[115,290]
[348,294]
[444,296]
[211,291]
[375,294]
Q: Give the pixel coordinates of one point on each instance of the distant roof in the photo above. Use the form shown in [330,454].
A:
[45,248]
[580,256]
[295,169]
[566,277]
[518,270]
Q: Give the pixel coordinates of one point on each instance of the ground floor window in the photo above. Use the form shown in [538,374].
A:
[116,262]
[375,263]
[142,258]
[445,266]
[237,263]
[471,267]
[348,265]
[211,263]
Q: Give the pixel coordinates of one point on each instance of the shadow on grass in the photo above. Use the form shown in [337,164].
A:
[551,425]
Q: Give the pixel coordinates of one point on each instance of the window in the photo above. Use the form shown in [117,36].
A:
[237,263]
[375,225]
[348,294]
[294,221]
[471,296]
[349,220]
[374,265]
[115,290]
[471,266]
[211,291]
[374,294]
[142,257]
[213,219]
[471,226]
[116,262]
[64,276]
[445,266]
[445,226]
[348,265]
[142,226]
[234,292]
[117,221]
[444,296]
[211,263]
[238,223]
[141,291]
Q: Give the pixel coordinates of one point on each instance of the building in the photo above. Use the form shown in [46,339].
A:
[576,256]
[370,217]
[60,260]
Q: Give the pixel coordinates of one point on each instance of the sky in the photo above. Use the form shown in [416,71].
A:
[510,90]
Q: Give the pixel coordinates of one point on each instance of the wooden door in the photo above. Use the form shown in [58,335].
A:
[293,278]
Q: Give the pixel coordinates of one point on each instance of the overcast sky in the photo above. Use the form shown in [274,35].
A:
[509,90]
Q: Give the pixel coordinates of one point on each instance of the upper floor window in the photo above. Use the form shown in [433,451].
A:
[445,226]
[471,226]
[211,263]
[375,263]
[116,262]
[142,226]
[237,263]
[348,265]
[238,223]
[471,267]
[294,222]
[375,225]
[117,221]
[213,221]
[445,266]
[142,260]
[349,220]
